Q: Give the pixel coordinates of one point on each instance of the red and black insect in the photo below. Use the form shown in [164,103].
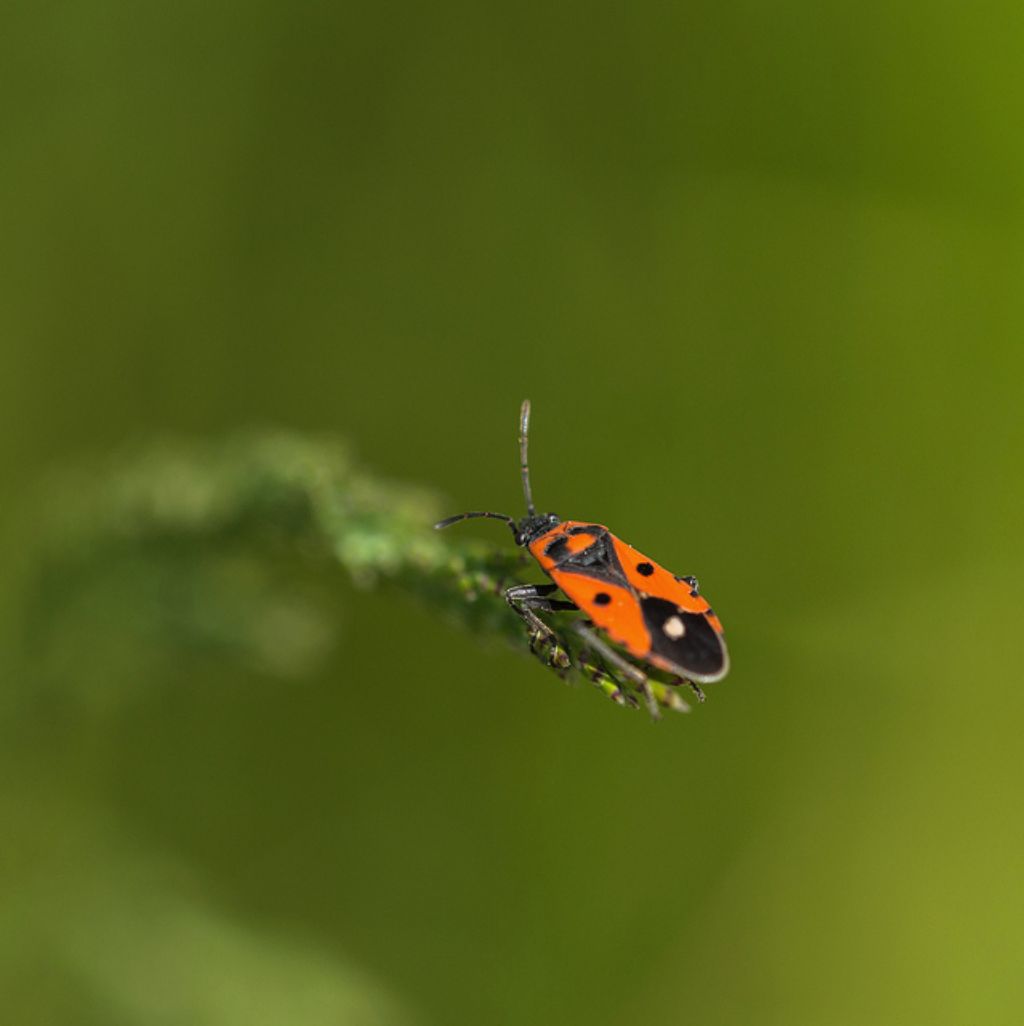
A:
[659,619]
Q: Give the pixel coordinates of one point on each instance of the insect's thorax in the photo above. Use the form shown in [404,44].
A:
[574,543]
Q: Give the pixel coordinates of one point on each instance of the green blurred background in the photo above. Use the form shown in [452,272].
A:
[759,268]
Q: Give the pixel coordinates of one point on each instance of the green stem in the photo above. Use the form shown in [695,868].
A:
[152,512]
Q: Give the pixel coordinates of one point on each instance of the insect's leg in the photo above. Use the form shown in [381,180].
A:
[536,597]
[524,599]
[692,685]
[624,666]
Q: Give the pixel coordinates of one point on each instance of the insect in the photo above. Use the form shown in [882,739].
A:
[661,620]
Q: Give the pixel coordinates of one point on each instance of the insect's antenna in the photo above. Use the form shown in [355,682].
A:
[448,521]
[524,467]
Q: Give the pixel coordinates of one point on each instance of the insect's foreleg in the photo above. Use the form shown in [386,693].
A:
[524,599]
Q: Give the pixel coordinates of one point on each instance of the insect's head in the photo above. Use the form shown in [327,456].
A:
[531,527]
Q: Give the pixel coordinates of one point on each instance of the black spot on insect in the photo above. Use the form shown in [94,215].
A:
[644,568]
[694,593]
[602,598]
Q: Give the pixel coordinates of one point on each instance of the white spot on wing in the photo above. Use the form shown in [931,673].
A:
[674,628]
